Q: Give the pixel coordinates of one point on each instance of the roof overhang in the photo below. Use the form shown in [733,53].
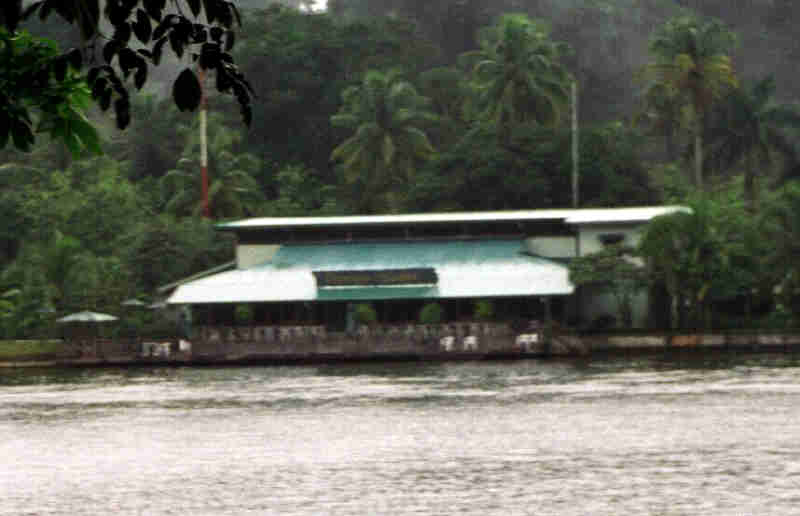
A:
[463,269]
[568,216]
[165,289]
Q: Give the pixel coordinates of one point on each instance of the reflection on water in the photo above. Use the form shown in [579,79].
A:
[676,435]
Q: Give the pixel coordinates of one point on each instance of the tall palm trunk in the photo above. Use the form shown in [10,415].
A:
[670,146]
[698,154]
[750,182]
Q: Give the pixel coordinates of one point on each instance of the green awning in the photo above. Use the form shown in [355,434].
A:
[375,293]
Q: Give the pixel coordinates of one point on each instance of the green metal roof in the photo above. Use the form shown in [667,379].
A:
[465,268]
[398,255]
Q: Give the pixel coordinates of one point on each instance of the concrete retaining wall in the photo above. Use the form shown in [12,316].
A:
[441,343]
[737,341]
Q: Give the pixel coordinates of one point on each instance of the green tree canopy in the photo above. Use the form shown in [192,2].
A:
[518,74]
[164,249]
[712,255]
[751,128]
[38,85]
[783,229]
[614,270]
[232,192]
[387,118]
[533,170]
[690,63]
[40,91]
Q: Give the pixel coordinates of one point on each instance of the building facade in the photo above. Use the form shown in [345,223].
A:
[315,273]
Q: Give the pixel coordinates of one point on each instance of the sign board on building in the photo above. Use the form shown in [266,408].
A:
[420,276]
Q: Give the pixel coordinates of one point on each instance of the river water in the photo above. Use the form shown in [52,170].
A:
[677,435]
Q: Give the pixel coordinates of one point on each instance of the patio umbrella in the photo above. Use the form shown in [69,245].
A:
[85,320]
[133,302]
[86,316]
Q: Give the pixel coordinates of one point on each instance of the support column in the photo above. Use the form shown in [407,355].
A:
[548,323]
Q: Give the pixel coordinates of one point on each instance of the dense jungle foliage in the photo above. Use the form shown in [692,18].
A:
[388,106]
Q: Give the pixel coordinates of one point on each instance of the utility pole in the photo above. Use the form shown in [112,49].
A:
[577,298]
[201,76]
[575,156]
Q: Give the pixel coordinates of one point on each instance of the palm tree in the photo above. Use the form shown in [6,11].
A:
[517,74]
[448,90]
[233,191]
[690,62]
[662,114]
[386,115]
[751,128]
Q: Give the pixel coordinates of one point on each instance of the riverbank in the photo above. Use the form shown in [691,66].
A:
[738,341]
[55,353]
[25,350]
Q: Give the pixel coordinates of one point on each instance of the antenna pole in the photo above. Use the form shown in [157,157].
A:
[201,75]
[575,156]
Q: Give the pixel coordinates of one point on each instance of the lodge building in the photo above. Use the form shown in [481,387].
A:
[296,281]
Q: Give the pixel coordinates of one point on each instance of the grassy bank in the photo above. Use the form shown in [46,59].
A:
[29,349]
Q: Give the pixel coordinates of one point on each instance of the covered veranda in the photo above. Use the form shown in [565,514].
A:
[316,286]
[333,315]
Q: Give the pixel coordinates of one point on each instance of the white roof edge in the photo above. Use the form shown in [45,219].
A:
[604,215]
[570,216]
[534,278]
[202,274]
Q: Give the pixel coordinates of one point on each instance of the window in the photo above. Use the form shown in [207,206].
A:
[611,238]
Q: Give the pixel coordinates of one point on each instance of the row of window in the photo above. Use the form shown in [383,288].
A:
[410,232]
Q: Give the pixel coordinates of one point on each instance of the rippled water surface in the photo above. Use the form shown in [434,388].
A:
[688,435]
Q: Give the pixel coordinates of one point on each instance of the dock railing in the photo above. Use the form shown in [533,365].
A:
[462,337]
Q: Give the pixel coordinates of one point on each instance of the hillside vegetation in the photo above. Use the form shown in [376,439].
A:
[409,106]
